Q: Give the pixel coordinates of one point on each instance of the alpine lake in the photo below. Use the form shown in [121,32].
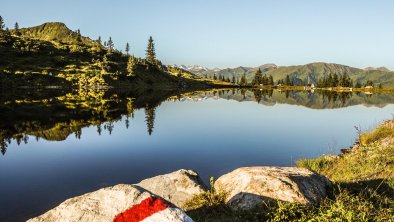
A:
[58,144]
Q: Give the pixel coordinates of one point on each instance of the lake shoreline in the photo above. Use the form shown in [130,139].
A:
[350,190]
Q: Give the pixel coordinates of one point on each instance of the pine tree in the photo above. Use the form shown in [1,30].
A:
[288,81]
[79,36]
[110,44]
[99,40]
[335,80]
[1,23]
[16,28]
[271,81]
[127,48]
[131,65]
[243,80]
[258,77]
[150,51]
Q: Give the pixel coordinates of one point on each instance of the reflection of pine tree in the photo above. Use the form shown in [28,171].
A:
[243,93]
[109,126]
[78,134]
[3,147]
[99,129]
[127,122]
[150,118]
[18,139]
[25,138]
[258,95]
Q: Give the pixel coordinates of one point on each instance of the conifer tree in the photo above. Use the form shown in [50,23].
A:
[150,51]
[131,65]
[127,48]
[271,81]
[258,77]
[288,81]
[99,39]
[79,36]
[1,23]
[243,80]
[110,44]
[16,28]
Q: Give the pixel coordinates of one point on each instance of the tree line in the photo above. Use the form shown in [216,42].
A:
[334,80]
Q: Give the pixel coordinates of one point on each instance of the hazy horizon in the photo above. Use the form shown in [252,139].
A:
[229,33]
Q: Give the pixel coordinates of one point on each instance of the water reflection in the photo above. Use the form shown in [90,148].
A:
[54,116]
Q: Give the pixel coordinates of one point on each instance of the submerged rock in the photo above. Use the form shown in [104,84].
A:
[177,187]
[118,203]
[249,187]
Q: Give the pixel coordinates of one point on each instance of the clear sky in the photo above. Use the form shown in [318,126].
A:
[229,33]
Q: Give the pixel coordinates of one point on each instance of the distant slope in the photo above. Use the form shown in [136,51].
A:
[313,71]
[57,32]
[238,72]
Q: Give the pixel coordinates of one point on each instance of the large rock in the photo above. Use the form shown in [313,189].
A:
[177,187]
[118,203]
[249,187]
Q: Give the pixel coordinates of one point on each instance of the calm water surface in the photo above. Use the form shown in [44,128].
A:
[212,134]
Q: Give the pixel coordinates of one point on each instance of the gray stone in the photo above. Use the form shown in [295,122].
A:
[177,187]
[249,187]
[104,204]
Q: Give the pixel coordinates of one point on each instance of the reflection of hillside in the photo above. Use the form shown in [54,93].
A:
[314,100]
[56,118]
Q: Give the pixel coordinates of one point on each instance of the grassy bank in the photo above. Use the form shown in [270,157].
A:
[363,189]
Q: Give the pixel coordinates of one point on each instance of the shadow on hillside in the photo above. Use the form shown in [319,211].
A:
[225,213]
[371,188]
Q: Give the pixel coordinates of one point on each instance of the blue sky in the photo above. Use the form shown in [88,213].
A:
[229,33]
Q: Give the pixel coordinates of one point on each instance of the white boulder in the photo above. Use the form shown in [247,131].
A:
[177,187]
[117,203]
[249,187]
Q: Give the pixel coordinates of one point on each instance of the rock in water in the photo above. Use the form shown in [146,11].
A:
[177,187]
[249,187]
[119,203]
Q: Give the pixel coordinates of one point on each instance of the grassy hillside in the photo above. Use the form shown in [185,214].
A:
[57,33]
[314,71]
[51,48]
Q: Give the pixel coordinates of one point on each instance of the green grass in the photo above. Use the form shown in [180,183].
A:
[322,162]
[377,135]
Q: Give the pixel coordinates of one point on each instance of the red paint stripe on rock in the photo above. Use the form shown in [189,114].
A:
[146,208]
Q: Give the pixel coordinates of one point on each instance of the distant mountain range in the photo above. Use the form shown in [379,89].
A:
[196,69]
[302,73]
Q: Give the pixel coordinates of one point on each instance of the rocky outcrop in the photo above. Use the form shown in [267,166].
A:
[249,187]
[118,203]
[177,187]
